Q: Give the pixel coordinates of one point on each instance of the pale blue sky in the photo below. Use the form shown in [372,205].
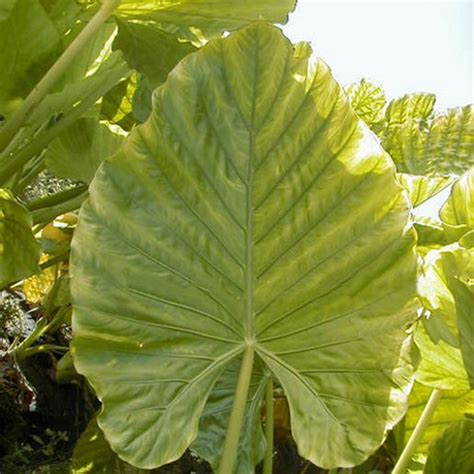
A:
[405,46]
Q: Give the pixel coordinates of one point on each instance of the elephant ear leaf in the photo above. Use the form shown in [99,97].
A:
[245,217]
[19,250]
[210,17]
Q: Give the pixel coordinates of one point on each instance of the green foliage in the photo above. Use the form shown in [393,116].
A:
[93,454]
[452,407]
[447,295]
[23,65]
[6,8]
[82,89]
[446,289]
[210,18]
[368,102]
[116,106]
[243,233]
[422,188]
[430,233]
[150,51]
[421,143]
[457,213]
[79,150]
[427,148]
[237,236]
[19,251]
[453,451]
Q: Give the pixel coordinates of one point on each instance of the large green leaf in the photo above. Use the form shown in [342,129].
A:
[19,250]
[453,451]
[79,150]
[457,212]
[245,214]
[210,16]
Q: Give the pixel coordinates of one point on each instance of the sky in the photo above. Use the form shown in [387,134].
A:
[404,46]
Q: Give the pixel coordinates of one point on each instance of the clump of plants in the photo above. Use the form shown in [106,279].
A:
[210,252]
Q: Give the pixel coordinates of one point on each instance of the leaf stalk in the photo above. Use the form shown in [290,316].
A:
[229,453]
[417,435]
[268,459]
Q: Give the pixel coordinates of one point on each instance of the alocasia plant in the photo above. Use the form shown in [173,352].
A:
[250,233]
[253,226]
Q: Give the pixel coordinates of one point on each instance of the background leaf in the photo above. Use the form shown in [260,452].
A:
[422,145]
[22,63]
[79,150]
[448,300]
[92,454]
[422,188]
[457,213]
[368,101]
[453,450]
[151,51]
[19,250]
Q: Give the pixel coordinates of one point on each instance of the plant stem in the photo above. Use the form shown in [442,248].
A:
[55,199]
[24,349]
[45,209]
[31,351]
[54,260]
[44,86]
[268,459]
[229,453]
[418,432]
